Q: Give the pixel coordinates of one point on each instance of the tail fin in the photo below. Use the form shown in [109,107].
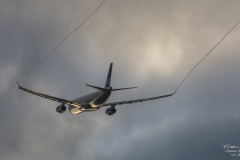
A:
[108,81]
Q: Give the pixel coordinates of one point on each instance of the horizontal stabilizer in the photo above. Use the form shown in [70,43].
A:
[98,88]
[118,89]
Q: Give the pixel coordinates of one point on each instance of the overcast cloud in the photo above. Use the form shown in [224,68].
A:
[153,45]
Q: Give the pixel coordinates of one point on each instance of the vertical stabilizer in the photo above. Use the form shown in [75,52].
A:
[108,81]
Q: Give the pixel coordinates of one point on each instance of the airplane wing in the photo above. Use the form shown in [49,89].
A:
[137,100]
[51,97]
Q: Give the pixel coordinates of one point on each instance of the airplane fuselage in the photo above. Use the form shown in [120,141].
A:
[91,101]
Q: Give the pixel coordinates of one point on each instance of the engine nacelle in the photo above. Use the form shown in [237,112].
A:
[110,111]
[61,108]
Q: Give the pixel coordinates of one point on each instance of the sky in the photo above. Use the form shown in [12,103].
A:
[153,45]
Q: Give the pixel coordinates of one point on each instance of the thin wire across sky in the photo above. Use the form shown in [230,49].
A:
[33,68]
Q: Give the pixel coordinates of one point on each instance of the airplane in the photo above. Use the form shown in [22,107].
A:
[92,101]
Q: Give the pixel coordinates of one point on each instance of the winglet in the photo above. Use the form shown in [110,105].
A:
[174,92]
[18,85]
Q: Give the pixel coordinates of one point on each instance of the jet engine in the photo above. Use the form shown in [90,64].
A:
[61,108]
[110,111]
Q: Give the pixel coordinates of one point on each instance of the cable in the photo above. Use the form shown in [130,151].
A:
[206,55]
[62,41]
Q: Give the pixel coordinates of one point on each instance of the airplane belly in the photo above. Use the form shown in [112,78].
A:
[74,110]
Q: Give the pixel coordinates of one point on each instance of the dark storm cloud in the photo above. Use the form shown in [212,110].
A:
[153,45]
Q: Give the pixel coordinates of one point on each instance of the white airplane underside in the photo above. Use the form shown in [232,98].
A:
[92,101]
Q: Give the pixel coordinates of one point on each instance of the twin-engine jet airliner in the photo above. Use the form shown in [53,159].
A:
[94,100]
